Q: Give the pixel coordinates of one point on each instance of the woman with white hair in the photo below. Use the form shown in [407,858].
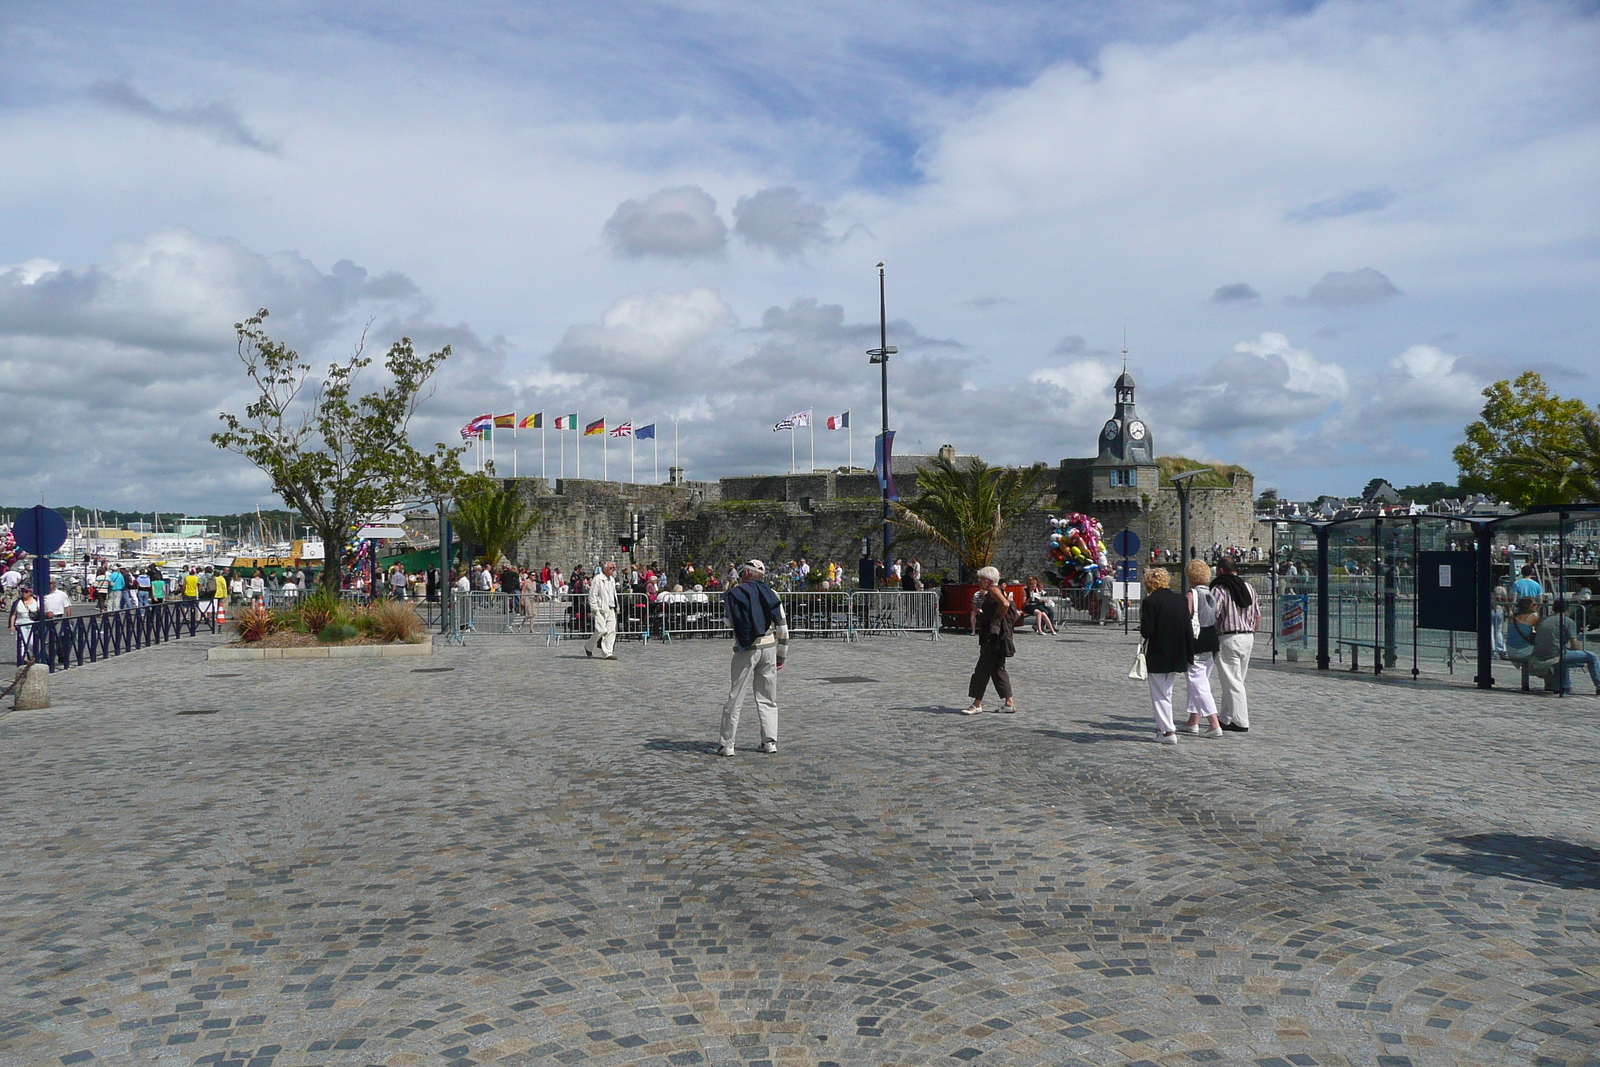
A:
[994,620]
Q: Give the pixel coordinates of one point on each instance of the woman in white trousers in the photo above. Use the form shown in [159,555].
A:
[1238,614]
[1198,676]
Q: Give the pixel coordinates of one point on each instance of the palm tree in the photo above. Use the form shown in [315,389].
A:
[969,510]
[493,519]
[1573,470]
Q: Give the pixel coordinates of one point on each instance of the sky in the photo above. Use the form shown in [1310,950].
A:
[1322,228]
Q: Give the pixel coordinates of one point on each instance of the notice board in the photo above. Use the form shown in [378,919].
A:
[1447,591]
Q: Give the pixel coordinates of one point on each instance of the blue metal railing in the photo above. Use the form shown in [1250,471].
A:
[72,641]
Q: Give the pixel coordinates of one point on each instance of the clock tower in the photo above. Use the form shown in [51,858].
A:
[1125,470]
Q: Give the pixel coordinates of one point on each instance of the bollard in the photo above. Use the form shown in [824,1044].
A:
[33,688]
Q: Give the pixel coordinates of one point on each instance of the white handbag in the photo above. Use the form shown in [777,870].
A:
[1139,672]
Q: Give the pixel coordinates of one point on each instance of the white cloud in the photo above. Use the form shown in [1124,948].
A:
[655,338]
[781,219]
[123,366]
[1352,288]
[217,120]
[1265,384]
[1423,383]
[678,223]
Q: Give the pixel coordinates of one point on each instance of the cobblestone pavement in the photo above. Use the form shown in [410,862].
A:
[516,855]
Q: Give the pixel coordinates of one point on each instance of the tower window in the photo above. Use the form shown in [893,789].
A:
[1128,476]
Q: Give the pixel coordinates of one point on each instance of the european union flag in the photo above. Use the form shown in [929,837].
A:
[645,432]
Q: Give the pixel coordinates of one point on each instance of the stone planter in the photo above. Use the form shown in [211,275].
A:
[425,648]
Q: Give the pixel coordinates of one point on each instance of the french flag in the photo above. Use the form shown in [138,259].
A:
[839,422]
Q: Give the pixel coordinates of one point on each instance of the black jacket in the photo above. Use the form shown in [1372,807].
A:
[997,624]
[751,607]
[1164,622]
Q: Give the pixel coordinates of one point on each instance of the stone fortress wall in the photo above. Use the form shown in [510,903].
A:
[824,515]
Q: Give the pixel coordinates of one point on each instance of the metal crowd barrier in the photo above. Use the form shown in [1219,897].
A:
[68,642]
[679,616]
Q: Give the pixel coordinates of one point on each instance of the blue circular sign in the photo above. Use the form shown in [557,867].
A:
[40,530]
[1126,543]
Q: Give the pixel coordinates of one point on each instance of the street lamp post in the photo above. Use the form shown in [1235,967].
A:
[880,356]
[1182,483]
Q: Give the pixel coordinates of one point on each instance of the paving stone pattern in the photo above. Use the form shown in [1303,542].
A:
[534,858]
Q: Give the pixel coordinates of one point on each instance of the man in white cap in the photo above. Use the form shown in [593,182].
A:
[761,640]
[603,612]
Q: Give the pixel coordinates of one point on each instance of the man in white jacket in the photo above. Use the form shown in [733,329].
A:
[603,612]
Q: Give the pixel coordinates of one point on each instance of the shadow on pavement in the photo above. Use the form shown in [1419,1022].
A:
[1118,729]
[667,744]
[1545,860]
[933,709]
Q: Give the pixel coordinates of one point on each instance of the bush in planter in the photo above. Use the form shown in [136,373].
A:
[319,610]
[391,620]
[254,623]
[336,632]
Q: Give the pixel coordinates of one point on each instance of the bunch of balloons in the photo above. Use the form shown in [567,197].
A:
[8,546]
[1077,549]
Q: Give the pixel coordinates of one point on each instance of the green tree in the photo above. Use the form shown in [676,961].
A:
[1574,470]
[492,517]
[337,458]
[1510,452]
[968,510]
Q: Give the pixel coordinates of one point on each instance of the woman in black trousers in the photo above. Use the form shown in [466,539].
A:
[994,621]
[1169,648]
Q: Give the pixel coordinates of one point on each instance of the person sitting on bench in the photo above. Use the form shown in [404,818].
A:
[1557,643]
[1520,631]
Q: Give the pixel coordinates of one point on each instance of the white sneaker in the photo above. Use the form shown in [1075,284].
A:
[1190,728]
[1215,731]
[725,751]
[769,746]
[1166,739]
[972,710]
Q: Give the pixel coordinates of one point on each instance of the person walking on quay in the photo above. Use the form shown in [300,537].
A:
[1527,585]
[25,611]
[1238,614]
[1169,645]
[1203,624]
[761,641]
[994,620]
[603,612]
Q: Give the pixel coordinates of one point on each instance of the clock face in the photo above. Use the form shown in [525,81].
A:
[1112,429]
[1136,430]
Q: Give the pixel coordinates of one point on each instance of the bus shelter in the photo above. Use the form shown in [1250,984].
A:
[1425,593]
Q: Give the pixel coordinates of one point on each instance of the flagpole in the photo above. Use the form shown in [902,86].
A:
[849,442]
[605,455]
[513,444]
[791,446]
[676,462]
[577,443]
[541,445]
[630,457]
[657,439]
[562,437]
[811,426]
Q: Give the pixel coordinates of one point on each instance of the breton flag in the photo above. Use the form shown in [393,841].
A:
[597,426]
[624,430]
[839,422]
[645,433]
[532,422]
[505,422]
[783,424]
[567,422]
[801,419]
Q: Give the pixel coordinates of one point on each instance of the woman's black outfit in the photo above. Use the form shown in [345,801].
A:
[1164,623]
[996,629]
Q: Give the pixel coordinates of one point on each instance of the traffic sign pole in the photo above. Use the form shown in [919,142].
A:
[40,531]
[1126,545]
